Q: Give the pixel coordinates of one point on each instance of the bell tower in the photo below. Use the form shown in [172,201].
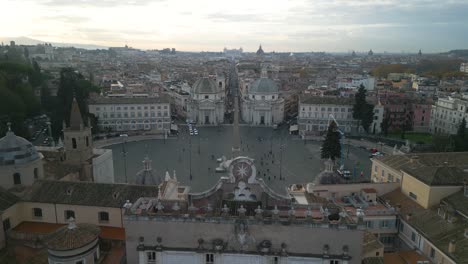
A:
[78,141]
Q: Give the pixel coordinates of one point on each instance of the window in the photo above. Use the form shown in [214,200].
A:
[412,195]
[334,261]
[103,217]
[209,258]
[151,256]
[384,224]
[36,173]
[275,260]
[74,143]
[413,236]
[6,224]
[383,173]
[368,224]
[69,214]
[16,178]
[37,212]
[432,254]
[79,262]
[206,97]
[87,141]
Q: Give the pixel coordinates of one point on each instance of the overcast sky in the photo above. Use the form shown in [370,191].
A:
[279,25]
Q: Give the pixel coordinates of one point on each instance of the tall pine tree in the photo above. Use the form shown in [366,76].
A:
[362,110]
[331,147]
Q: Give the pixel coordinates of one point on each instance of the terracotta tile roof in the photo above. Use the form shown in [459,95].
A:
[112,233]
[369,190]
[37,227]
[69,238]
[87,193]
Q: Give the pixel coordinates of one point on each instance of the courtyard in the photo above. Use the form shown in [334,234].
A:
[281,159]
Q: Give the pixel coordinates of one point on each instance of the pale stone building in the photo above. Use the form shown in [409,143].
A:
[206,104]
[261,103]
[315,113]
[447,114]
[132,113]
[20,163]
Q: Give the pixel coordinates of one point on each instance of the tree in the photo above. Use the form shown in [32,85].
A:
[72,84]
[331,147]
[362,110]
[461,132]
[460,142]
[385,125]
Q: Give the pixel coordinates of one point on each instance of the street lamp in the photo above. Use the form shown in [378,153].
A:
[190,157]
[124,153]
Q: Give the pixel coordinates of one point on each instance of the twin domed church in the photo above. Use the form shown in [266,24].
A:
[260,104]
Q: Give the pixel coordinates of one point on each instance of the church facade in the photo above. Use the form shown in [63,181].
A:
[206,105]
[261,103]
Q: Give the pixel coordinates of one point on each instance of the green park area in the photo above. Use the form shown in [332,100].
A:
[413,137]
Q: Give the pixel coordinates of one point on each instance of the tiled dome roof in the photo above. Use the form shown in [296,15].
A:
[264,85]
[73,236]
[16,150]
[205,85]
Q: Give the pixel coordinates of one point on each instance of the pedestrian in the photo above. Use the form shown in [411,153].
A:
[269,178]
[274,177]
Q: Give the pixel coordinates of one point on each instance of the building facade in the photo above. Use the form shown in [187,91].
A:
[261,103]
[239,220]
[447,114]
[132,113]
[315,113]
[206,104]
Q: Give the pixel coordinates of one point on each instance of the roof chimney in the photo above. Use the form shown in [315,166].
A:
[452,246]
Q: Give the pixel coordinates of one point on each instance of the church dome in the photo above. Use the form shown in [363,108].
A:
[205,85]
[264,86]
[16,150]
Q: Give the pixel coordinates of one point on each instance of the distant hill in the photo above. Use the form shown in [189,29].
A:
[30,41]
[462,53]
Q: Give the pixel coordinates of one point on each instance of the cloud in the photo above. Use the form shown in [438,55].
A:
[97,3]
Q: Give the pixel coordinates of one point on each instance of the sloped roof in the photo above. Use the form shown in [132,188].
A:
[436,229]
[75,116]
[433,169]
[87,193]
[7,199]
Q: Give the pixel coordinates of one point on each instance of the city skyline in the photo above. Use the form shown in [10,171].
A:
[297,25]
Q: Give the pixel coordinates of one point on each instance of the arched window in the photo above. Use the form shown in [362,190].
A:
[220,84]
[74,143]
[36,173]
[16,178]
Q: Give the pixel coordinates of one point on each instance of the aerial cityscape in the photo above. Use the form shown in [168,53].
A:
[270,132]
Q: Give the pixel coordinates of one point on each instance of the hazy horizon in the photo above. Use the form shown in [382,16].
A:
[208,25]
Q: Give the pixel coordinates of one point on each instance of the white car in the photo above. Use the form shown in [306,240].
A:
[195,131]
[191,132]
